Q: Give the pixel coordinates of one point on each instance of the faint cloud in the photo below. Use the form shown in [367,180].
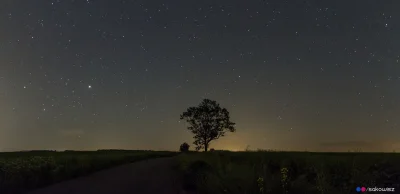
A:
[348,143]
[71,132]
[362,145]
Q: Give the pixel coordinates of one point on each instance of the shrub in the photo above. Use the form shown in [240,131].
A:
[184,147]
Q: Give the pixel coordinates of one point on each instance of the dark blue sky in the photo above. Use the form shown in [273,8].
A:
[117,74]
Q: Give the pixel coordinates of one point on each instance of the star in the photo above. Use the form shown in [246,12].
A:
[267,66]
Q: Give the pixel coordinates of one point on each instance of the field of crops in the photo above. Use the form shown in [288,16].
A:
[23,171]
[287,172]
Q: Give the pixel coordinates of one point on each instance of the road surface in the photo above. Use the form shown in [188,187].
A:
[154,176]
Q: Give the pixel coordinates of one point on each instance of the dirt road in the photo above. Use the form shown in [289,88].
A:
[154,176]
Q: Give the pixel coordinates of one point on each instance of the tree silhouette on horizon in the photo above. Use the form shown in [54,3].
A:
[208,122]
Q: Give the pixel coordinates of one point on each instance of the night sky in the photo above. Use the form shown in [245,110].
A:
[295,75]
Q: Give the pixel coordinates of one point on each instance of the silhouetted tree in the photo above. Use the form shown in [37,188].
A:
[184,147]
[207,122]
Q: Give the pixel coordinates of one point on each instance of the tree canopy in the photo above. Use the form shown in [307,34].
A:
[208,122]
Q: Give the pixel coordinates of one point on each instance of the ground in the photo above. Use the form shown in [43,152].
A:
[154,176]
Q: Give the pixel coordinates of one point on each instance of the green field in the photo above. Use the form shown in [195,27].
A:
[287,172]
[23,171]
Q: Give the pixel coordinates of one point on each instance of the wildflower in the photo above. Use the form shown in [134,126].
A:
[285,178]
[260,182]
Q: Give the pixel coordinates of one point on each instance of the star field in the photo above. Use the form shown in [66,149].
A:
[303,75]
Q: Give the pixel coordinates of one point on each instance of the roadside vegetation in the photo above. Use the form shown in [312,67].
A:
[24,171]
[264,172]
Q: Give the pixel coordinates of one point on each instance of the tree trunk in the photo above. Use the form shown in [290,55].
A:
[206,147]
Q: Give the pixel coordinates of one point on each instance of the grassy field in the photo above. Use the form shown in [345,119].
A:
[287,172]
[23,171]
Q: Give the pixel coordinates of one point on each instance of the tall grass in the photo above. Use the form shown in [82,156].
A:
[287,172]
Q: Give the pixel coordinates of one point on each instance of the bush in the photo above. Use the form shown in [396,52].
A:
[184,147]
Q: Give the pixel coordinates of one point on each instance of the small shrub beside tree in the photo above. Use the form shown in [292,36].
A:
[184,147]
